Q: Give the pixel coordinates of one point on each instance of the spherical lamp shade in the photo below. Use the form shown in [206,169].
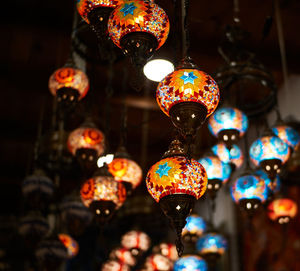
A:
[270,153]
[282,210]
[103,195]
[176,182]
[37,189]
[33,228]
[166,249]
[249,191]
[272,186]
[217,173]
[234,155]
[158,262]
[126,171]
[70,244]
[114,265]
[139,28]
[194,228]
[211,246]
[69,85]
[51,253]
[228,124]
[123,255]
[190,263]
[136,241]
[188,96]
[289,135]
[76,216]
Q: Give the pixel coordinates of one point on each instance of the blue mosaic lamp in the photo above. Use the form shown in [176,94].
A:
[228,125]
[190,263]
[195,226]
[288,134]
[272,186]
[249,191]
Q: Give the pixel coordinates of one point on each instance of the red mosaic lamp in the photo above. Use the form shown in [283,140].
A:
[282,210]
[188,96]
[70,244]
[139,28]
[176,182]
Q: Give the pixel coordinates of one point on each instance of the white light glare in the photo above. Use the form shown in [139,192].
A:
[105,159]
[158,69]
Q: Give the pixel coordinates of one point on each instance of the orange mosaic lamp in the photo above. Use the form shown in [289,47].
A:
[70,244]
[69,85]
[87,143]
[188,96]
[282,210]
[139,28]
[176,182]
[137,242]
[103,195]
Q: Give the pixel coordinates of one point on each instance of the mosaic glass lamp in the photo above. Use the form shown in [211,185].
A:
[166,249]
[190,263]
[270,153]
[287,134]
[103,195]
[249,191]
[272,186]
[282,210]
[115,265]
[68,85]
[158,262]
[217,172]
[139,28]
[70,244]
[233,156]
[211,246]
[176,182]
[123,255]
[136,241]
[194,228]
[87,143]
[228,125]
[188,96]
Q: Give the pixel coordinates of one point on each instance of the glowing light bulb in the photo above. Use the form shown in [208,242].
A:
[157,69]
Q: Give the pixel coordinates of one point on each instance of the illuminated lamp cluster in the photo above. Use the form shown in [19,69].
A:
[37,189]
[123,255]
[136,241]
[194,228]
[228,125]
[282,210]
[70,244]
[211,246]
[113,265]
[287,134]
[166,249]
[233,156]
[139,28]
[87,143]
[158,262]
[126,171]
[217,173]
[103,195]
[68,85]
[273,186]
[176,182]
[188,96]
[270,153]
[190,263]
[75,216]
[249,191]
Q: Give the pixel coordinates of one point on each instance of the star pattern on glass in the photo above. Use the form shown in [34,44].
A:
[128,9]
[163,170]
[188,77]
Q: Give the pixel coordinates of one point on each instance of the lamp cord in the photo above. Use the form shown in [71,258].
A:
[123,128]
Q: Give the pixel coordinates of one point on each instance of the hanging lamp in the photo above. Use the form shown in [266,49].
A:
[194,228]
[176,182]
[139,28]
[70,244]
[102,194]
[282,210]
[217,173]
[233,156]
[190,263]
[137,242]
[273,187]
[228,125]
[158,262]
[114,265]
[123,255]
[166,249]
